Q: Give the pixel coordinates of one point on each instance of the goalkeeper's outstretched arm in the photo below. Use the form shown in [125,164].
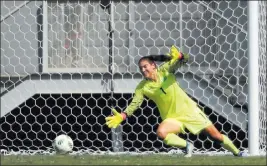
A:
[117,118]
[137,100]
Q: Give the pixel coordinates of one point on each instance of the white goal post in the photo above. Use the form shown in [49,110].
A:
[64,65]
[257,73]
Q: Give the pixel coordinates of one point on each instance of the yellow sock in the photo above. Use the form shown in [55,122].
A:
[228,144]
[174,140]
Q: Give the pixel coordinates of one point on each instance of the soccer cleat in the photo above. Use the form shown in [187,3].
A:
[189,149]
[242,154]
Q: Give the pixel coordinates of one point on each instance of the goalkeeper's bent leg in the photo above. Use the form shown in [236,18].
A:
[174,140]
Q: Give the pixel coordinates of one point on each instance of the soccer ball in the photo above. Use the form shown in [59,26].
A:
[62,144]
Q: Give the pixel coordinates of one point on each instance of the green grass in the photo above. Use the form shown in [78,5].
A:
[129,160]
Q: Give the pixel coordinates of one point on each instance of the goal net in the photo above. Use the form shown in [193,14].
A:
[64,65]
[262,71]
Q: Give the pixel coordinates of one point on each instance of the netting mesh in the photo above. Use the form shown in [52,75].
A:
[262,71]
[63,65]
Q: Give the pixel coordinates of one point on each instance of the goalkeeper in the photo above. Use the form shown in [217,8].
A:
[177,110]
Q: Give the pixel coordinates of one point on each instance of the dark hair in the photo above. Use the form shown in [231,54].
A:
[146,58]
[153,58]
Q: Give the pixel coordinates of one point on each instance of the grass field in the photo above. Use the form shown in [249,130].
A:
[129,160]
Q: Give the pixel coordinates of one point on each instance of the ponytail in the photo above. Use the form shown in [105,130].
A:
[159,58]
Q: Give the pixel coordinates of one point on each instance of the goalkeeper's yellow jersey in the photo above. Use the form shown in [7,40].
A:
[170,99]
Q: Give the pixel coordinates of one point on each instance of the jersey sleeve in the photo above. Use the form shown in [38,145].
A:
[136,101]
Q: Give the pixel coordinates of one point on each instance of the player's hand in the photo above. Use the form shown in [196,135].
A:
[115,120]
[176,54]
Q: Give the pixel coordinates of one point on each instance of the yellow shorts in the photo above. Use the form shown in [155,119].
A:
[195,121]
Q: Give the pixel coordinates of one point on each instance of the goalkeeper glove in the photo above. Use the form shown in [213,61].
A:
[115,120]
[176,54]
